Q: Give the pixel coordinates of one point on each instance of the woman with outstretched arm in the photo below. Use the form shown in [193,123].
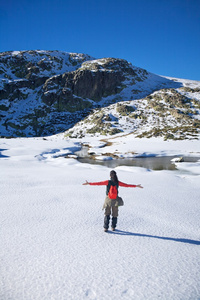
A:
[112,200]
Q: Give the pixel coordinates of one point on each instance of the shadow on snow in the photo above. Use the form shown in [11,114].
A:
[186,241]
[2,155]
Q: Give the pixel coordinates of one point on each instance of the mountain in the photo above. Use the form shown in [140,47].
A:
[48,92]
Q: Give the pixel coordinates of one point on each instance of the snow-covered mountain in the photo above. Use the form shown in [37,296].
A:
[47,92]
[52,241]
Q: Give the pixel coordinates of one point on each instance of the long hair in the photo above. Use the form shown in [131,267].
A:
[113,176]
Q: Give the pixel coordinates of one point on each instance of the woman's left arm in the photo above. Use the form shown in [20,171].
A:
[86,183]
[96,183]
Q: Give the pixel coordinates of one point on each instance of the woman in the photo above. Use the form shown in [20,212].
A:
[112,200]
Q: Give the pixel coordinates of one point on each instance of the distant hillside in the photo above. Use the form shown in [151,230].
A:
[47,92]
[169,113]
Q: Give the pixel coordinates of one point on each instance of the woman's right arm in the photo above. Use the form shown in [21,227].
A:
[130,185]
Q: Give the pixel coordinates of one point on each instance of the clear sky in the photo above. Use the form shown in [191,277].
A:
[161,36]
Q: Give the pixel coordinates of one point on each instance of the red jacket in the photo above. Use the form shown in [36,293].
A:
[106,183]
[112,190]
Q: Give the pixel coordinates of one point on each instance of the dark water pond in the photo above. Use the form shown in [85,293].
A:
[152,162]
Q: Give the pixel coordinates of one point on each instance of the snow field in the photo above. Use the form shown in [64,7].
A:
[52,240]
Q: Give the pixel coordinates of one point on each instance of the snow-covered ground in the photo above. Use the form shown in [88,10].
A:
[52,242]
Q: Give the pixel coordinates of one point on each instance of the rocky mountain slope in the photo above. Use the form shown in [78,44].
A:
[47,92]
[170,113]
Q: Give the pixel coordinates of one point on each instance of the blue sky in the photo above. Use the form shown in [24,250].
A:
[161,36]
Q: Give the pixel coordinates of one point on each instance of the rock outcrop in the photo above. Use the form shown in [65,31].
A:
[46,92]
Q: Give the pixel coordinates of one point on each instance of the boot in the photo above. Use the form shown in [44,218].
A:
[114,223]
[106,222]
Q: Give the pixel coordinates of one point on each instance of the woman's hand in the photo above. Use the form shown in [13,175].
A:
[139,186]
[86,183]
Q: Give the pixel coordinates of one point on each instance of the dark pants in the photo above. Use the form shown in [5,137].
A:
[108,210]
